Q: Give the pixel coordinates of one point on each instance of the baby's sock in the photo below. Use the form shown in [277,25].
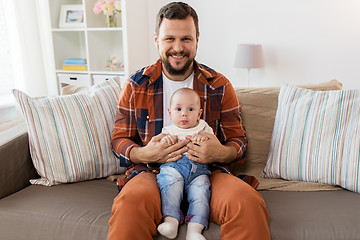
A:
[169,228]
[194,230]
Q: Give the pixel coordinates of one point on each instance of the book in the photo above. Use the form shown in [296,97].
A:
[75,61]
[74,68]
[68,64]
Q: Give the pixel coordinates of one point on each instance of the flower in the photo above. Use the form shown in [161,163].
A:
[117,5]
[108,7]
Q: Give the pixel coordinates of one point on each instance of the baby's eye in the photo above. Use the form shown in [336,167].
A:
[178,109]
[191,109]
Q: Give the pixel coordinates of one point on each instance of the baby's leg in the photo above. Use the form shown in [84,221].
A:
[198,213]
[171,184]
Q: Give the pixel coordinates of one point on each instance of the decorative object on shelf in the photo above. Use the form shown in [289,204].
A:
[75,64]
[249,56]
[71,16]
[110,8]
[113,65]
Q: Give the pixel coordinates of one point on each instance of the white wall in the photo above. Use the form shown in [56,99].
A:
[308,41]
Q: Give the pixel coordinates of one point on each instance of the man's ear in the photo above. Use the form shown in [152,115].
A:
[156,40]
[197,40]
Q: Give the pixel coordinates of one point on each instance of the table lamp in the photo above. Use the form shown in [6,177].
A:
[249,56]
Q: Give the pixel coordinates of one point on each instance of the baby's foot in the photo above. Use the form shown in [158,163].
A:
[194,231]
[169,228]
[194,236]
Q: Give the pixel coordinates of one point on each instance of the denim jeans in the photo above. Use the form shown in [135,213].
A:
[191,178]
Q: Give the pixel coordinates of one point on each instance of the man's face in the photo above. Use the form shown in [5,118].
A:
[177,45]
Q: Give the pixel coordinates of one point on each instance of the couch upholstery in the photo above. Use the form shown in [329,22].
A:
[82,210]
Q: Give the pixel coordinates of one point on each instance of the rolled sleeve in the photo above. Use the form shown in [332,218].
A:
[232,124]
[124,136]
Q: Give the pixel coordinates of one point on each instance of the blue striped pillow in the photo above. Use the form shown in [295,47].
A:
[316,137]
[69,136]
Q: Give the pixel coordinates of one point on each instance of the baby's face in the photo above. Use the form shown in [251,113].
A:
[185,110]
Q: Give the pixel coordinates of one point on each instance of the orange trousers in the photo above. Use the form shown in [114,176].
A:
[235,206]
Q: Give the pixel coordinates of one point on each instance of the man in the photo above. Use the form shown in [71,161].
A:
[234,205]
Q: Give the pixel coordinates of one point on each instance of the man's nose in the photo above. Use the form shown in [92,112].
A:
[178,47]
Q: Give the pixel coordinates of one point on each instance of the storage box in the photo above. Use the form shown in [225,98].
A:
[74,79]
[98,78]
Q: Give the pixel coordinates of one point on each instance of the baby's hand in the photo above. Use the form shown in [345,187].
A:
[197,138]
[169,139]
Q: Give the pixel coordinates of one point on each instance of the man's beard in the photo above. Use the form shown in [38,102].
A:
[173,71]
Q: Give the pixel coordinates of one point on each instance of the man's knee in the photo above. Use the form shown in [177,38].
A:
[140,191]
[232,195]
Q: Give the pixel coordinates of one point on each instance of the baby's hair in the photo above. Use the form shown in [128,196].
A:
[184,90]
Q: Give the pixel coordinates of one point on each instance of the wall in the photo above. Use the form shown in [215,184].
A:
[303,41]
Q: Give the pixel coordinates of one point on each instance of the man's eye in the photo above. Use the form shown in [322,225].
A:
[169,39]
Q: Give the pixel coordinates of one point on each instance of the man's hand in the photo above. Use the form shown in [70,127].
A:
[159,151]
[210,150]
[198,138]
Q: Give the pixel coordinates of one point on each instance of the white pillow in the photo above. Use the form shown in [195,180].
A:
[316,137]
[70,135]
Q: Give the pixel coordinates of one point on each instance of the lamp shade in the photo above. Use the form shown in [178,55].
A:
[249,56]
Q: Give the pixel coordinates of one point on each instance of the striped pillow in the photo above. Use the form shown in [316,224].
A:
[69,136]
[316,137]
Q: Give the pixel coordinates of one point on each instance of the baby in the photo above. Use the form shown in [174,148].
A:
[184,174]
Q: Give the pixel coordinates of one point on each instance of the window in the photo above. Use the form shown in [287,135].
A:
[10,115]
[6,74]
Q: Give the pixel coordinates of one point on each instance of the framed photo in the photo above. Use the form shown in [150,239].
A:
[71,16]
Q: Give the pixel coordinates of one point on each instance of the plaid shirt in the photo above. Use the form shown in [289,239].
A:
[139,115]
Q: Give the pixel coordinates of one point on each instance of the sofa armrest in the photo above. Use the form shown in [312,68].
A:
[16,167]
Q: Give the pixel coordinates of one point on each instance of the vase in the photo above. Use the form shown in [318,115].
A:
[111,21]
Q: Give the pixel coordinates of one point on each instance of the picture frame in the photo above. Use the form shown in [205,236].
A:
[71,16]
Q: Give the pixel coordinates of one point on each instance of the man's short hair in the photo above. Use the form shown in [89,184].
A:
[176,10]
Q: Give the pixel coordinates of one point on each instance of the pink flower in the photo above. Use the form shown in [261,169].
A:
[98,7]
[108,7]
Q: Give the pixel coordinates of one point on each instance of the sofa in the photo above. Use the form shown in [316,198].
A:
[81,210]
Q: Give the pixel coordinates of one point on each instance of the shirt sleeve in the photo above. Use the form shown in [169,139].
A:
[232,126]
[124,136]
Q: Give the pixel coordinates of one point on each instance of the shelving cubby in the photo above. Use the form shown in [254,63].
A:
[94,42]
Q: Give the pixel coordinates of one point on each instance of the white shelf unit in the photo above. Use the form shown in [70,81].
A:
[94,41]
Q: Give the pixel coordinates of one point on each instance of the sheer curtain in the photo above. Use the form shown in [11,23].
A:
[21,60]
[6,71]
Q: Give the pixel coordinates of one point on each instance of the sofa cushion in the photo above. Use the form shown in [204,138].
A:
[69,136]
[323,215]
[74,211]
[66,211]
[258,112]
[316,137]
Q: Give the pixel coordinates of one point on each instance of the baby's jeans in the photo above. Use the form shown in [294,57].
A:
[184,174]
